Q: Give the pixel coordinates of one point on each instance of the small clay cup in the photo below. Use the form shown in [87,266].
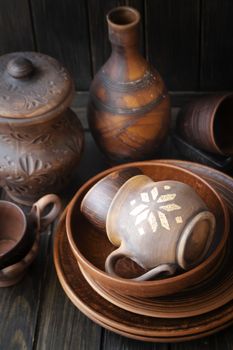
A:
[18,231]
[208,123]
[91,247]
[160,225]
[13,274]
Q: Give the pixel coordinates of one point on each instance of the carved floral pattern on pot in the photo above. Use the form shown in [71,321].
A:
[18,97]
[146,211]
[29,168]
[40,137]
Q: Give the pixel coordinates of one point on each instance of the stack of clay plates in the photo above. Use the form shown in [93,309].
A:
[198,311]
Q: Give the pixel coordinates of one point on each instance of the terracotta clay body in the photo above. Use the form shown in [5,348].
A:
[40,137]
[129,107]
[145,216]
[207,123]
[152,224]
[214,295]
[18,230]
[92,248]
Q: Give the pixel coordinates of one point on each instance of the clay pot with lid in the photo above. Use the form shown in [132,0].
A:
[41,139]
[129,106]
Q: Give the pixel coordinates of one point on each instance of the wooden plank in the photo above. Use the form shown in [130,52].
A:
[100,46]
[61,30]
[15,26]
[113,341]
[172,29]
[19,305]
[221,340]
[61,325]
[216,45]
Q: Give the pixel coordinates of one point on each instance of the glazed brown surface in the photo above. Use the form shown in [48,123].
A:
[129,107]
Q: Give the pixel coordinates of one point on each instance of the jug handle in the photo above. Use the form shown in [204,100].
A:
[168,269]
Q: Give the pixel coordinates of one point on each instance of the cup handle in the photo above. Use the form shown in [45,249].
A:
[168,269]
[112,258]
[39,206]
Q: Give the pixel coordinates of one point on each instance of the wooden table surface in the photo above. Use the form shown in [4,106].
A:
[36,314]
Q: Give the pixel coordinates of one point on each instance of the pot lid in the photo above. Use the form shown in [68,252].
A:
[32,84]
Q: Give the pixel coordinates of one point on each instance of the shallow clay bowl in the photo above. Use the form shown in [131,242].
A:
[91,247]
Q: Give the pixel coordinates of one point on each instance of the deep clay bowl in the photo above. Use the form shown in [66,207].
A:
[91,247]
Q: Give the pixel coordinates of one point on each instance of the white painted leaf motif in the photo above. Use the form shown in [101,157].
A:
[138,209]
[153,222]
[166,197]
[152,215]
[170,207]
[141,217]
[145,197]
[179,220]
[163,220]
[154,193]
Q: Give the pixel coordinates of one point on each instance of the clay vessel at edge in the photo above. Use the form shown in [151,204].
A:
[129,107]
[207,123]
[40,137]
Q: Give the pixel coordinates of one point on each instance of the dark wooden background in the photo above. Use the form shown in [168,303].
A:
[190,42]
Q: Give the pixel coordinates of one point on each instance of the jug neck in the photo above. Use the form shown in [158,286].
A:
[126,62]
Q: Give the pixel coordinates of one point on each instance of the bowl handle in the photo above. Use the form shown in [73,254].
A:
[168,269]
[39,206]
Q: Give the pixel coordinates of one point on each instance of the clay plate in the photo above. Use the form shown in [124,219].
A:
[124,322]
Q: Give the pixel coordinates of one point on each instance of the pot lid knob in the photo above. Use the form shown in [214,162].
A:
[33,84]
[20,67]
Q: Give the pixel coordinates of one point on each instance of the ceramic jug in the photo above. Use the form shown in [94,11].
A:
[129,106]
[161,225]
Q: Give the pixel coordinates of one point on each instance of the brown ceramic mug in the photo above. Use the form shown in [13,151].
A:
[18,231]
[159,225]
[208,123]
